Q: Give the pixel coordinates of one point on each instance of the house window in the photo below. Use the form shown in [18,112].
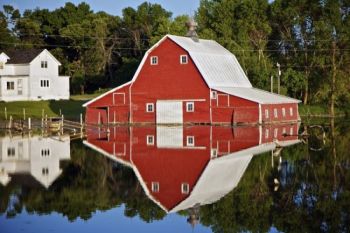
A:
[10,85]
[291,111]
[149,107]
[45,83]
[275,113]
[11,152]
[190,141]
[154,60]
[267,114]
[283,112]
[45,152]
[150,140]
[183,59]
[275,133]
[155,187]
[1,65]
[185,188]
[45,171]
[190,107]
[213,95]
[43,64]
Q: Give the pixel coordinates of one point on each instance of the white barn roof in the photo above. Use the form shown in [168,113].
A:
[218,66]
[257,95]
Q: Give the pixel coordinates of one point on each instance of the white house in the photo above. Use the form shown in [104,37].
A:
[31,74]
[36,156]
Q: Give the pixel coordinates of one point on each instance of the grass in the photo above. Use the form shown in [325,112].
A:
[317,110]
[71,109]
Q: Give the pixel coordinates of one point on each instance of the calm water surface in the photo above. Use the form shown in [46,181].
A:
[178,179]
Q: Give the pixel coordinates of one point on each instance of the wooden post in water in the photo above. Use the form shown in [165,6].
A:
[29,123]
[24,114]
[5,113]
[10,123]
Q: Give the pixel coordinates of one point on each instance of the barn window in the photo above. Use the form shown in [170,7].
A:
[185,188]
[213,95]
[275,133]
[149,107]
[183,59]
[267,114]
[150,140]
[214,153]
[43,64]
[154,60]
[155,187]
[291,111]
[190,141]
[267,133]
[275,113]
[44,83]
[291,131]
[11,151]
[10,85]
[190,107]
[283,112]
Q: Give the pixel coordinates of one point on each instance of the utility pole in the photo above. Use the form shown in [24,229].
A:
[279,77]
[271,83]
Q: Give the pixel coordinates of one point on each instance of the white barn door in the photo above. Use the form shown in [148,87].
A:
[169,112]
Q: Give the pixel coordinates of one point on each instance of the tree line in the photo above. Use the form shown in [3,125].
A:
[309,39]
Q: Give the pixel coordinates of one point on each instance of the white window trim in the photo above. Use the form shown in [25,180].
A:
[213,95]
[12,87]
[267,132]
[183,56]
[291,111]
[283,112]
[155,187]
[187,106]
[275,112]
[267,114]
[189,143]
[148,141]
[214,153]
[149,104]
[156,60]
[183,190]
[43,64]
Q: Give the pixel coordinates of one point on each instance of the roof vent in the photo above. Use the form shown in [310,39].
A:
[192,26]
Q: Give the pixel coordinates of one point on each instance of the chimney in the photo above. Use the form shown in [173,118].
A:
[192,26]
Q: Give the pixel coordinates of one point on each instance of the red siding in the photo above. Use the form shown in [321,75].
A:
[269,109]
[232,109]
[169,80]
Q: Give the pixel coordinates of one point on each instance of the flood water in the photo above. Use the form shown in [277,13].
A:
[178,179]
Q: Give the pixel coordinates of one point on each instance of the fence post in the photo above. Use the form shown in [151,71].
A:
[5,113]
[10,123]
[62,119]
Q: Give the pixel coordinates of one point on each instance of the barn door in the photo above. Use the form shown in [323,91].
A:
[169,112]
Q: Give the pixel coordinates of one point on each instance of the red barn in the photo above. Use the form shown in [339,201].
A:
[179,167]
[185,80]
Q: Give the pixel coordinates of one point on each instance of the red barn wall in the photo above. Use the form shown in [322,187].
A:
[267,112]
[169,80]
[232,109]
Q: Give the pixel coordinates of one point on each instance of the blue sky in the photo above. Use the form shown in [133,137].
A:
[113,7]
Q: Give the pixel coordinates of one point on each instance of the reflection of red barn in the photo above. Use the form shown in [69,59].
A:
[180,81]
[180,167]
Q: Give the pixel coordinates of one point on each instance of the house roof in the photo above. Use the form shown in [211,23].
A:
[257,95]
[22,56]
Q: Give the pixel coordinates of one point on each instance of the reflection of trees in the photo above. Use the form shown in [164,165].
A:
[314,195]
[89,182]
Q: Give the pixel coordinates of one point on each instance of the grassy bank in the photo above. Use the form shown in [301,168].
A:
[71,109]
[318,111]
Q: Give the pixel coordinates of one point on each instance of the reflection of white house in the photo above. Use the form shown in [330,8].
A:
[31,74]
[35,155]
